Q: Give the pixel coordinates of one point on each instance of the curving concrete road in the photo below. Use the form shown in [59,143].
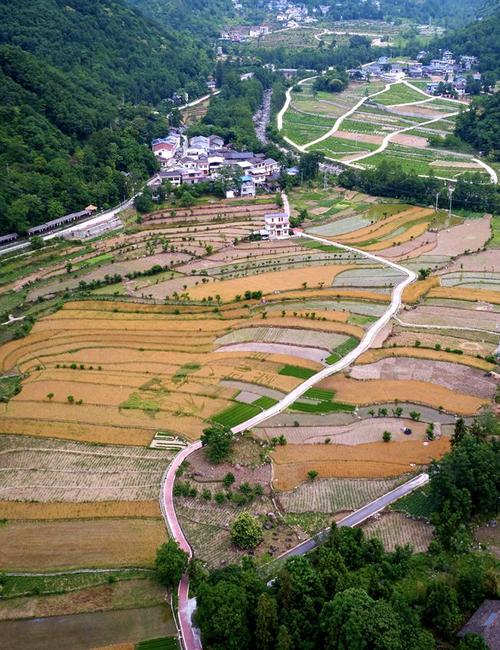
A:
[364,344]
[190,637]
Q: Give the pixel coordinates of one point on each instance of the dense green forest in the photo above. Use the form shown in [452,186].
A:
[202,17]
[479,125]
[350,594]
[78,82]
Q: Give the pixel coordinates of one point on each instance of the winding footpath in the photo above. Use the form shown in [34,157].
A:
[190,635]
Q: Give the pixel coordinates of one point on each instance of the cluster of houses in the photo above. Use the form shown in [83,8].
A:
[446,69]
[284,15]
[201,158]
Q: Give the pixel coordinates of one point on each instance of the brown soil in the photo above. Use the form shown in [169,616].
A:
[372,460]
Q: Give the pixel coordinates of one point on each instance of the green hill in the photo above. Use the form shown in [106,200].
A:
[79,80]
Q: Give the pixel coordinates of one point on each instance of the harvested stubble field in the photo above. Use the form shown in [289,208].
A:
[334,495]
[137,373]
[66,510]
[44,545]
[395,529]
[375,391]
[461,293]
[270,282]
[372,460]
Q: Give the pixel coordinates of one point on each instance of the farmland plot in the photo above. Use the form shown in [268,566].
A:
[334,495]
[75,544]
[48,471]
[394,529]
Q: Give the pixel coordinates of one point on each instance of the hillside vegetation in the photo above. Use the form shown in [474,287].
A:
[78,81]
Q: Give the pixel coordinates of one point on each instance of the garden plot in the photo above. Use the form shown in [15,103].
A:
[423,161]
[395,529]
[485,261]
[427,414]
[301,128]
[471,343]
[340,226]
[472,280]
[469,236]
[35,511]
[399,93]
[372,460]
[51,470]
[334,495]
[75,544]
[444,316]
[451,375]
[384,278]
[304,337]
[354,433]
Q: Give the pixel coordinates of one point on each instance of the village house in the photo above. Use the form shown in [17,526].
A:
[277,225]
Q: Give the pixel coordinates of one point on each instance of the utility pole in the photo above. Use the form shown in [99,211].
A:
[325,181]
[437,199]
[451,189]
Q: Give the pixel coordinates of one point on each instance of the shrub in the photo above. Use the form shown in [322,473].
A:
[312,474]
[246,531]
[228,479]
[386,436]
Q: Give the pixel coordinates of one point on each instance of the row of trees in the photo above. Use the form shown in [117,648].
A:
[472,191]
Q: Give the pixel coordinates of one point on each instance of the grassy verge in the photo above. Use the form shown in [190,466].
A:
[9,386]
[163,643]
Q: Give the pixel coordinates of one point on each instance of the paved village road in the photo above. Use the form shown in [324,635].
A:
[190,636]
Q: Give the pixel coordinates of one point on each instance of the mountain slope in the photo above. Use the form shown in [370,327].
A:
[78,82]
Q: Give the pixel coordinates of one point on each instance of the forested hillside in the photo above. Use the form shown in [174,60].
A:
[202,17]
[78,80]
[479,39]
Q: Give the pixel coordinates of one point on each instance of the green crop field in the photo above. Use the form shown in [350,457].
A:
[399,94]
[265,402]
[342,349]
[322,407]
[319,394]
[416,504]
[333,146]
[296,371]
[236,414]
